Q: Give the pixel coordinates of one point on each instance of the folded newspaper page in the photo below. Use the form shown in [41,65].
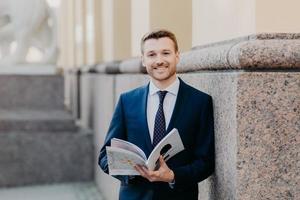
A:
[122,155]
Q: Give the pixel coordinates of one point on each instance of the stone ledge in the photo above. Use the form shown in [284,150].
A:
[133,65]
[31,69]
[265,51]
[36,120]
[262,51]
[109,67]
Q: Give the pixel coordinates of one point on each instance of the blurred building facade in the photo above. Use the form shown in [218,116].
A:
[245,54]
[95,31]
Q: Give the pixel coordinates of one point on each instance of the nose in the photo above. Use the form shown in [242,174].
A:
[159,61]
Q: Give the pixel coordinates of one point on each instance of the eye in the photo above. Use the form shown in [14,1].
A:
[166,53]
[151,55]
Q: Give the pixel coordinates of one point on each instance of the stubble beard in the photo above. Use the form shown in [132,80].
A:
[164,79]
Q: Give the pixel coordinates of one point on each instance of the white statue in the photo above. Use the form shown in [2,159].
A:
[25,24]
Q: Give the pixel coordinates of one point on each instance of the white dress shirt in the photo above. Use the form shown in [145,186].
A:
[153,103]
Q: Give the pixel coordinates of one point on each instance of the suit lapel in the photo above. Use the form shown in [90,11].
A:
[178,106]
[143,111]
[174,118]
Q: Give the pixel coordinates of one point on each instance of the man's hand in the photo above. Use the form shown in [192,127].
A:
[164,173]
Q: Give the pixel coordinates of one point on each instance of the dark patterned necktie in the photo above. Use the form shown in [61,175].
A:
[160,122]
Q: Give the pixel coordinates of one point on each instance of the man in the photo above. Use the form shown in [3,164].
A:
[144,115]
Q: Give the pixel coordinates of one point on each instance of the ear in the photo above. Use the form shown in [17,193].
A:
[143,62]
[177,54]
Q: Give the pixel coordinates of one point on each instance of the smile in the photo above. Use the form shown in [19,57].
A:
[161,67]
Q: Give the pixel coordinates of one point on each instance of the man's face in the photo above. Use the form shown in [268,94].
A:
[160,59]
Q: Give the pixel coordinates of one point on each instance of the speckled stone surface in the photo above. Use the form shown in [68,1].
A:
[268,126]
[222,87]
[270,36]
[265,54]
[257,130]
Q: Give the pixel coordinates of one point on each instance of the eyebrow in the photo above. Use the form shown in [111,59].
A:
[150,52]
[153,51]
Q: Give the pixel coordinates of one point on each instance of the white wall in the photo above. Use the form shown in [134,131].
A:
[217,20]
[277,16]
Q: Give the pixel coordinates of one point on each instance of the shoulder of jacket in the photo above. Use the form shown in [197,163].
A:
[134,92]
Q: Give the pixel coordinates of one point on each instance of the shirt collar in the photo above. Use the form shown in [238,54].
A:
[172,89]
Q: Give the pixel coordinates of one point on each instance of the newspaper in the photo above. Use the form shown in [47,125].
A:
[122,155]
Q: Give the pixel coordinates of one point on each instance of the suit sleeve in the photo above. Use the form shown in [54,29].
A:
[116,129]
[204,163]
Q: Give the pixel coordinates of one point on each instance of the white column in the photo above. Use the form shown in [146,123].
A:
[107,28]
[122,29]
[98,26]
[90,31]
[80,32]
[140,23]
[67,44]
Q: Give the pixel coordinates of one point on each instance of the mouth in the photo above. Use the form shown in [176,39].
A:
[160,68]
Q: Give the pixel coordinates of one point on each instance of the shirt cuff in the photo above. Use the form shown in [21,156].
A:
[172,184]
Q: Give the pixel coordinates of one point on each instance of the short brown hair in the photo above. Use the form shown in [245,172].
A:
[159,33]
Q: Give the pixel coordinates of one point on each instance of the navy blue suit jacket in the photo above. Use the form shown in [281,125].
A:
[192,116]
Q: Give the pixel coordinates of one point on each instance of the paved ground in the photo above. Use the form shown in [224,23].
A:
[73,191]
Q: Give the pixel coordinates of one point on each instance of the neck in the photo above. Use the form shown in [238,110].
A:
[163,84]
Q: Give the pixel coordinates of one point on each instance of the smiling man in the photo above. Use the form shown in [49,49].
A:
[143,116]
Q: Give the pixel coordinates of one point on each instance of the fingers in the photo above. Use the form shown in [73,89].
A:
[148,174]
[168,174]
[141,170]
[162,174]
[162,161]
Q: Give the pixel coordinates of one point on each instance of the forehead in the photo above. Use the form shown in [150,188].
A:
[159,44]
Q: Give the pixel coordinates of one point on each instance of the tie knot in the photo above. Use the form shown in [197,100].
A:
[162,95]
